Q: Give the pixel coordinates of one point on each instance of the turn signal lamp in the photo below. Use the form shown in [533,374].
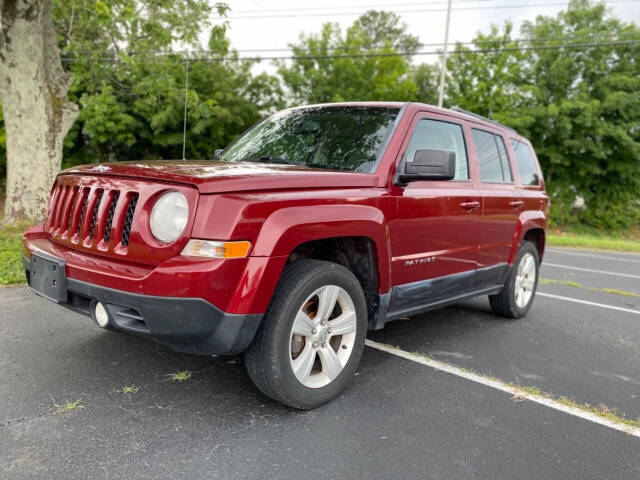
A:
[214,249]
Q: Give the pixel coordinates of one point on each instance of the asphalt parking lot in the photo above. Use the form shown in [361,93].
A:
[399,419]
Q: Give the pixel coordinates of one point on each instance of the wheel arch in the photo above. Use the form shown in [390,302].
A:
[289,228]
[531,226]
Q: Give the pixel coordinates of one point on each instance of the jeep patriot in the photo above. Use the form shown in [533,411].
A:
[317,224]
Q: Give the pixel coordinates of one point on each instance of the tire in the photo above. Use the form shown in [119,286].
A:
[304,291]
[507,303]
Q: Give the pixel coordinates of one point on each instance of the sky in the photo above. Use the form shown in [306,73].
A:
[429,26]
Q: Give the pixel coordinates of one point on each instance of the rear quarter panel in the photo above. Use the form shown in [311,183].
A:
[535,211]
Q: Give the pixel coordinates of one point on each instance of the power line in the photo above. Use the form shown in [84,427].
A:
[440,44]
[421,10]
[345,7]
[394,54]
[532,41]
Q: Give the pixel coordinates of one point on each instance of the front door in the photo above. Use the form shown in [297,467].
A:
[433,241]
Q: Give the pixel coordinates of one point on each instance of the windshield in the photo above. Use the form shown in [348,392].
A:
[339,138]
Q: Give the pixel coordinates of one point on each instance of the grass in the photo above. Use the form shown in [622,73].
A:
[614,291]
[587,238]
[180,376]
[11,268]
[522,390]
[67,406]
[128,389]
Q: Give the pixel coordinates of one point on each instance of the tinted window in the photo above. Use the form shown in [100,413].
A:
[526,164]
[340,138]
[435,135]
[492,157]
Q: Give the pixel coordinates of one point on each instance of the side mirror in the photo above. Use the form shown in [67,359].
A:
[217,152]
[428,165]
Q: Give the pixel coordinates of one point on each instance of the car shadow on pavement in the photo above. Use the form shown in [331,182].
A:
[98,365]
[447,328]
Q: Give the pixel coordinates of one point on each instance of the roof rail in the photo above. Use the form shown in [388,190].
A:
[462,110]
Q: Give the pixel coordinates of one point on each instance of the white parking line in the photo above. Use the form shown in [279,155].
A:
[586,302]
[592,255]
[604,272]
[505,387]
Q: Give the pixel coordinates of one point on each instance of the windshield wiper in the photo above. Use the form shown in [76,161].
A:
[269,159]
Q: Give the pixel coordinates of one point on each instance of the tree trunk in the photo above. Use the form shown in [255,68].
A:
[37,113]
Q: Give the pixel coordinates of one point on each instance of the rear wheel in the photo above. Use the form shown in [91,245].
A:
[515,299]
[312,337]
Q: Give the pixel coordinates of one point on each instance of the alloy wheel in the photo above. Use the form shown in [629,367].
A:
[322,336]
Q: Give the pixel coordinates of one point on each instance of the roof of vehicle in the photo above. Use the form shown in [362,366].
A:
[354,104]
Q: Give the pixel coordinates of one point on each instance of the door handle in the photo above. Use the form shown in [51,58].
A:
[470,205]
[516,204]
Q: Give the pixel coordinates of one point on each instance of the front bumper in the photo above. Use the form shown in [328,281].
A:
[191,325]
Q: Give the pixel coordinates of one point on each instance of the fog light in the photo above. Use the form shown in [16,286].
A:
[101,315]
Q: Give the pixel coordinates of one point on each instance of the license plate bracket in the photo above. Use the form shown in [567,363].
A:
[47,277]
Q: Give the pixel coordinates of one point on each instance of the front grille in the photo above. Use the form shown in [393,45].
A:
[94,216]
[128,220]
[84,215]
[74,196]
[112,209]
[83,207]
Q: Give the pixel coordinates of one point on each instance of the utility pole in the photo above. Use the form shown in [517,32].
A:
[443,69]
[184,122]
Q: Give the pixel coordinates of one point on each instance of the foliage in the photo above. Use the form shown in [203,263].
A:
[579,107]
[131,87]
[426,77]
[11,268]
[594,239]
[364,77]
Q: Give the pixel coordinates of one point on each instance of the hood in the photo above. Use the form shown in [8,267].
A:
[218,177]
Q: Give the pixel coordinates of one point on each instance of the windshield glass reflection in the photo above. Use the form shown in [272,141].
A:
[339,138]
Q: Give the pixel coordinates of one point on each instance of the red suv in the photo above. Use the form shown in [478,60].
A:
[317,224]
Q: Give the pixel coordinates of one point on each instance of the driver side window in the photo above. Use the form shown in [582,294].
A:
[437,135]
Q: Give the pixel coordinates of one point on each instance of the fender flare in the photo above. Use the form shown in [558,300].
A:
[527,220]
[287,228]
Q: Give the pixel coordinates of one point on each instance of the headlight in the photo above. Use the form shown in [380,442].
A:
[169,216]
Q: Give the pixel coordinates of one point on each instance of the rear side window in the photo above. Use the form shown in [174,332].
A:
[492,157]
[436,135]
[526,164]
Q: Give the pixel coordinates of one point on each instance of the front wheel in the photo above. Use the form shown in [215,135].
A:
[515,299]
[309,344]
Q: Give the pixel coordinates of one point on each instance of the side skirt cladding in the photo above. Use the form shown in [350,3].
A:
[417,297]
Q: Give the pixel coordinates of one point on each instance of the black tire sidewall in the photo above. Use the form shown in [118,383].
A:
[306,397]
[527,247]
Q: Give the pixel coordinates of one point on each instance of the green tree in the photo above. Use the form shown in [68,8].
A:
[38,106]
[579,106]
[333,75]
[132,99]
[426,77]
[492,81]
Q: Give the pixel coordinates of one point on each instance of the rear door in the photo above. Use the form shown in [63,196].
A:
[501,205]
[432,235]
